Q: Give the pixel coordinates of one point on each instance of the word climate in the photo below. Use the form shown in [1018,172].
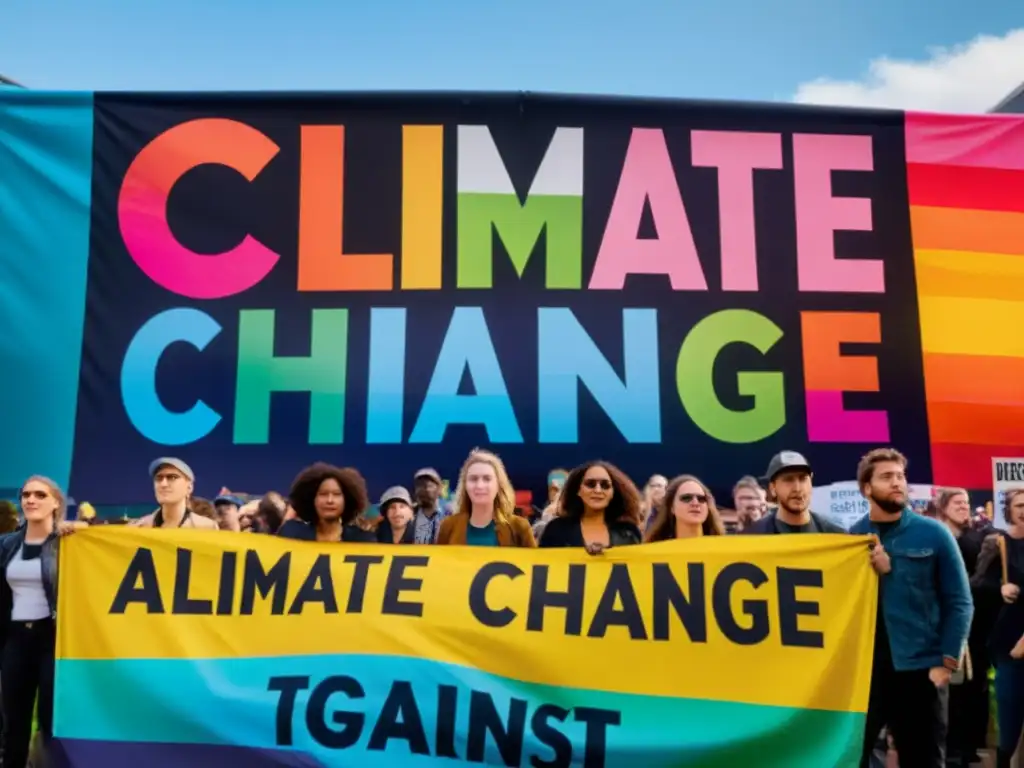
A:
[564,351]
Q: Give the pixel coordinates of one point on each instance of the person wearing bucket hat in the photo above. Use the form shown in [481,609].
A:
[396,526]
[789,482]
[173,484]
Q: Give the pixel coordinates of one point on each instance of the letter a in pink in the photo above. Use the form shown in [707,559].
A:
[647,175]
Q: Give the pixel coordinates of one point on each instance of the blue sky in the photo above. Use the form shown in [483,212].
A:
[744,49]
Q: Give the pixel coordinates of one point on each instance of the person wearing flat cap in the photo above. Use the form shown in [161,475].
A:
[228,507]
[396,526]
[789,482]
[173,481]
[430,510]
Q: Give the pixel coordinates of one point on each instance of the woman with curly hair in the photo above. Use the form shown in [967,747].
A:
[688,510]
[485,506]
[599,508]
[326,500]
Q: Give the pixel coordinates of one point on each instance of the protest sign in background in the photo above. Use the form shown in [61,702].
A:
[1006,474]
[183,646]
[844,502]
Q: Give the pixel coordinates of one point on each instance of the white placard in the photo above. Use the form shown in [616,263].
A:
[840,502]
[1006,474]
[843,503]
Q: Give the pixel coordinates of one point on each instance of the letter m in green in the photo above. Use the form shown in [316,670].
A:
[488,202]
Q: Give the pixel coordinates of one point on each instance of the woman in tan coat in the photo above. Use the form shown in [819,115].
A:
[485,507]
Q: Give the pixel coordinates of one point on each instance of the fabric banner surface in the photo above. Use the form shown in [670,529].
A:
[191,648]
[233,278]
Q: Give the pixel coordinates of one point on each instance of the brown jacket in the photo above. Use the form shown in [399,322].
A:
[515,533]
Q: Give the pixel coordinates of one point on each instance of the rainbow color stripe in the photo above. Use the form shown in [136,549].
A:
[163,681]
[966,185]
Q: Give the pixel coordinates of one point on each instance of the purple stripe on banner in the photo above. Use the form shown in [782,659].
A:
[82,753]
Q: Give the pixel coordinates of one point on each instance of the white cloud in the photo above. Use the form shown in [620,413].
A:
[972,77]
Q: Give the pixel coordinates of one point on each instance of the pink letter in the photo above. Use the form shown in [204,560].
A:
[819,214]
[828,421]
[142,208]
[736,154]
[647,174]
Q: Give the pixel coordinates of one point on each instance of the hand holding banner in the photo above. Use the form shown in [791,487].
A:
[185,645]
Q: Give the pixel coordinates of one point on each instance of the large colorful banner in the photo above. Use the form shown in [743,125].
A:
[189,648]
[254,282]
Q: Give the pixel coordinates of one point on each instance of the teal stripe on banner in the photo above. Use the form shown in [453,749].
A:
[438,716]
[45,198]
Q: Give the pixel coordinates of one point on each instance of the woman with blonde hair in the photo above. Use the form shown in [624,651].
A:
[485,507]
[28,610]
[687,511]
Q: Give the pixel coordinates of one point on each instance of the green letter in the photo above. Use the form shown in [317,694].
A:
[322,374]
[694,378]
[487,202]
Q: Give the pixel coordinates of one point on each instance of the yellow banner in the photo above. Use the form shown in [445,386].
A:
[782,621]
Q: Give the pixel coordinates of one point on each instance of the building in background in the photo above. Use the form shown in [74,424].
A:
[1012,104]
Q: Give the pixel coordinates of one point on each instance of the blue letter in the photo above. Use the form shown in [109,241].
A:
[385,393]
[138,377]
[566,356]
[467,345]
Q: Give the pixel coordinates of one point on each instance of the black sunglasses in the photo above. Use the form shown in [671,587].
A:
[686,498]
[604,485]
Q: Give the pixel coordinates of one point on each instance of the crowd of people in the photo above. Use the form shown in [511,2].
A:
[949,607]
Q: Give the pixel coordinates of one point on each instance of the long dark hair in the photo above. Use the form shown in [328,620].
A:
[625,504]
[663,528]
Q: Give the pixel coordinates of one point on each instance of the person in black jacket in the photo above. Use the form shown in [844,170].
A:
[599,507]
[1006,640]
[28,610]
[327,500]
[789,483]
[969,699]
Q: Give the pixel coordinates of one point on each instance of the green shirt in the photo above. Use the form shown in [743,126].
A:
[481,537]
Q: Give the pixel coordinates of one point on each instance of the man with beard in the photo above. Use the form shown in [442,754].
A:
[924,614]
[789,482]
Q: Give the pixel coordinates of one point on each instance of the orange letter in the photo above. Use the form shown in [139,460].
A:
[828,373]
[323,264]
[422,189]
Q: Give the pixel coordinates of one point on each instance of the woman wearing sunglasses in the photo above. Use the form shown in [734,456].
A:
[599,507]
[688,510]
[28,608]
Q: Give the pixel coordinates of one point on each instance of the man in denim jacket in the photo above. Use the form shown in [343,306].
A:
[924,615]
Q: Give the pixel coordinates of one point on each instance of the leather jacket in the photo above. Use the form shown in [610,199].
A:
[10,543]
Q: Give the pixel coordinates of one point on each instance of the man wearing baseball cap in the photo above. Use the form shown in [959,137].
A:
[430,508]
[789,482]
[173,481]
